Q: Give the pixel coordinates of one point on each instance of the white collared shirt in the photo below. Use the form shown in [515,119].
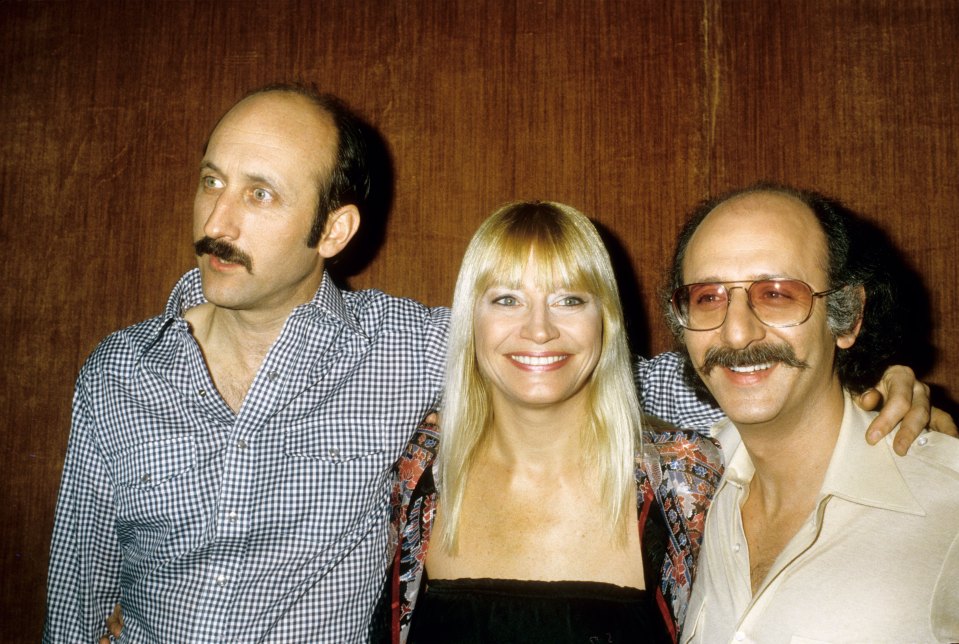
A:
[877,561]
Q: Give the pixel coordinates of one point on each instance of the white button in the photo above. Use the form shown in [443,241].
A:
[922,441]
[231,516]
[740,636]
[221,580]
[241,444]
[736,548]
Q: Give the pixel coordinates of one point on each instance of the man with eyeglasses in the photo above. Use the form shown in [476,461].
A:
[783,313]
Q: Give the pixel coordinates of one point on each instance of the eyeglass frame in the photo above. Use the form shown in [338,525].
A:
[729,298]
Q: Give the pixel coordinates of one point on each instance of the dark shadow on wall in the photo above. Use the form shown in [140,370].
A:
[904,332]
[630,292]
[914,345]
[374,215]
[910,326]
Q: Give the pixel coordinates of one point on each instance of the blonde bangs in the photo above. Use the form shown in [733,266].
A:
[532,232]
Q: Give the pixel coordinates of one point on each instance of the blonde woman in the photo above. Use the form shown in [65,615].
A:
[549,514]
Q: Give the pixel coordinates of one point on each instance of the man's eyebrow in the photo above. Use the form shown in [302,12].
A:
[253,178]
[259,178]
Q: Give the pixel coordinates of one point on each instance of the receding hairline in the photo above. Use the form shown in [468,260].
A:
[324,125]
[761,195]
[803,213]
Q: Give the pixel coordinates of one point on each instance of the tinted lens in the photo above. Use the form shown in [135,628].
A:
[781,302]
[775,302]
[701,306]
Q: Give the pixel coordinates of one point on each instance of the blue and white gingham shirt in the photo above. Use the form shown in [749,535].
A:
[664,393]
[270,524]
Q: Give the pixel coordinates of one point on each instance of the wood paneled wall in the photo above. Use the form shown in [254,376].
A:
[631,110]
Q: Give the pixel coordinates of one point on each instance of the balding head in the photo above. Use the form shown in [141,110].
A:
[342,173]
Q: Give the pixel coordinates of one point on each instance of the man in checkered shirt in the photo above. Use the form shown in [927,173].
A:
[227,469]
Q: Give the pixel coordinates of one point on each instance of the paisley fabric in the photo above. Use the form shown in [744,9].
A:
[677,473]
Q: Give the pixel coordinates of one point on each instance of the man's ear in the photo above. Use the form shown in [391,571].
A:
[848,339]
[341,225]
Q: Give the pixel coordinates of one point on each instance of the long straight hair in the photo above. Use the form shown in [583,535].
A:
[569,254]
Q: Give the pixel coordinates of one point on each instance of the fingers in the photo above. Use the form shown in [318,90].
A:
[905,400]
[115,622]
[942,422]
[870,399]
[915,420]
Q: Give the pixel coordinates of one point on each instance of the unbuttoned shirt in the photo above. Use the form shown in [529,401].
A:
[268,524]
[877,561]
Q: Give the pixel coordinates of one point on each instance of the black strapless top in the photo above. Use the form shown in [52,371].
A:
[468,611]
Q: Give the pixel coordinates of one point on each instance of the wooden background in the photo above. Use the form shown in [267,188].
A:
[629,110]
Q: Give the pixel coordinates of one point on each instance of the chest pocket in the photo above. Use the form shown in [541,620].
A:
[333,441]
[337,473]
[327,451]
[151,465]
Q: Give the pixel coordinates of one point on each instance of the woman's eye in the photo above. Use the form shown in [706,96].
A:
[261,194]
[571,300]
[505,300]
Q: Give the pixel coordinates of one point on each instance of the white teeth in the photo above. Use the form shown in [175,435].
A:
[537,361]
[750,368]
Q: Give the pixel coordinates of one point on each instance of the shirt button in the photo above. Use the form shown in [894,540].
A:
[232,516]
[272,375]
[736,548]
[740,636]
[201,393]
[146,478]
[334,452]
[241,444]
[221,580]
[922,440]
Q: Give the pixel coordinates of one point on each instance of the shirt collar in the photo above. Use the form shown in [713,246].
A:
[739,467]
[328,301]
[187,294]
[863,473]
[857,472]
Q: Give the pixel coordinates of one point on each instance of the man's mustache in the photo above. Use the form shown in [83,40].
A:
[756,354]
[224,251]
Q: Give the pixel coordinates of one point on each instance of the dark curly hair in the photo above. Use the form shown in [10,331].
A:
[856,257]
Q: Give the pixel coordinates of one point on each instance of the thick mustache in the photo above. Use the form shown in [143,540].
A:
[758,354]
[224,251]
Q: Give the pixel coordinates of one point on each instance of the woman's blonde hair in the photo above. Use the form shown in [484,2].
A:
[569,254]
